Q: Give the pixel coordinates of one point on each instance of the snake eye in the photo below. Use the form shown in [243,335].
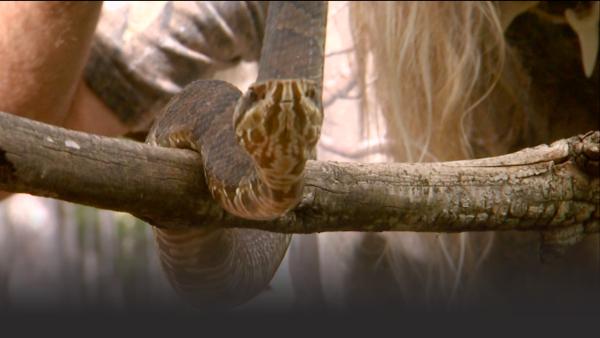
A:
[252,95]
[258,92]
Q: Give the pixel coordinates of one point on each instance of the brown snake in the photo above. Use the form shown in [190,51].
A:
[254,166]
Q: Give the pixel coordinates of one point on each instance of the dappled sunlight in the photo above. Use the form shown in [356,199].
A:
[27,211]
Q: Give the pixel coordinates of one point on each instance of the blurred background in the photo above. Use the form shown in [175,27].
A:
[59,255]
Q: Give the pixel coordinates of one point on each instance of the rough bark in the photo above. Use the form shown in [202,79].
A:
[546,188]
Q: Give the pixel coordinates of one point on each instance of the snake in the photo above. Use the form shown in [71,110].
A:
[254,147]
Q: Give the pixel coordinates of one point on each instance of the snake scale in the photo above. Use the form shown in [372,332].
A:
[254,148]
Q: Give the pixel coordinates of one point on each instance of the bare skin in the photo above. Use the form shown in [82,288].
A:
[45,45]
[44,48]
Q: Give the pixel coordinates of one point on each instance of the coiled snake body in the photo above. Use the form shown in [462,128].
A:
[254,148]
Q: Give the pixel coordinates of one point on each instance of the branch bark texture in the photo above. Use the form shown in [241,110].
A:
[537,189]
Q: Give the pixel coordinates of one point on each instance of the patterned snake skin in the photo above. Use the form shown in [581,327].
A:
[254,148]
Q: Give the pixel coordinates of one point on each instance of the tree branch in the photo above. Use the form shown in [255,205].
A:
[542,188]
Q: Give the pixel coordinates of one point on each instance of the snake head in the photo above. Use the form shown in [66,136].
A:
[278,122]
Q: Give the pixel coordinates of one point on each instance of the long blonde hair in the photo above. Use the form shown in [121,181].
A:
[447,87]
